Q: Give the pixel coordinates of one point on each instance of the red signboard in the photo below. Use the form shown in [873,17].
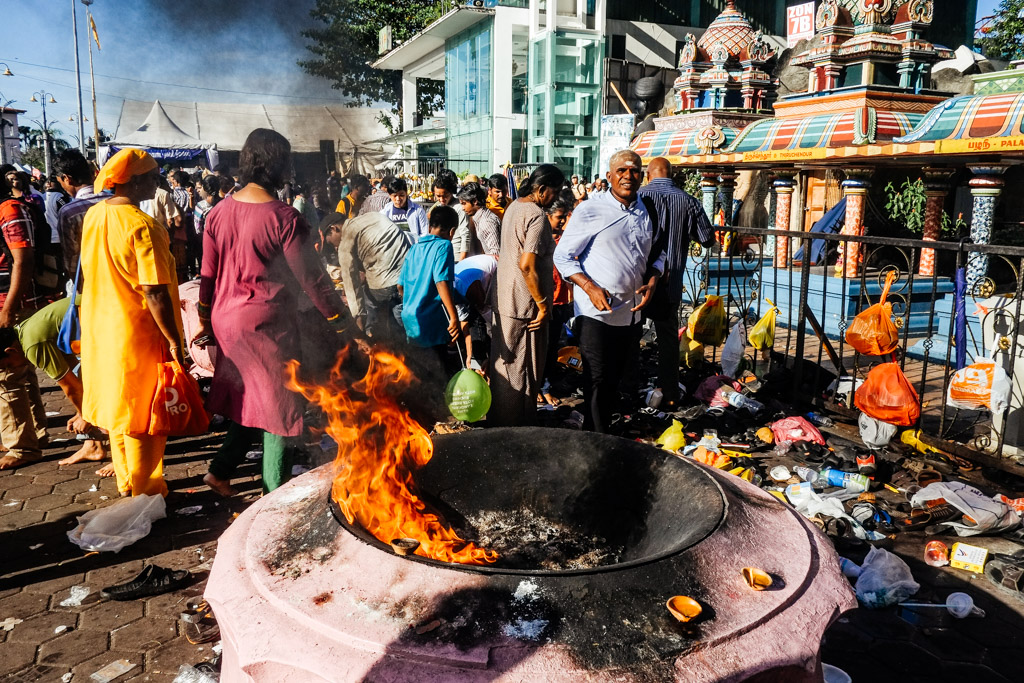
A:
[799,23]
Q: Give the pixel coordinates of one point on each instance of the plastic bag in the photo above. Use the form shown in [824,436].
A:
[467,396]
[672,439]
[884,580]
[982,515]
[886,395]
[983,384]
[873,332]
[707,323]
[762,334]
[875,433]
[115,526]
[792,429]
[177,408]
[732,352]
[691,353]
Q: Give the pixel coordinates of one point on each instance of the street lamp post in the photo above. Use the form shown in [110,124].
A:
[78,81]
[92,80]
[42,96]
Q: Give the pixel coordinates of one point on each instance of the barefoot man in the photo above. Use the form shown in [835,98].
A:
[34,342]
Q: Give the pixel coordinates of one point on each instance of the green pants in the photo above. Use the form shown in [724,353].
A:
[277,455]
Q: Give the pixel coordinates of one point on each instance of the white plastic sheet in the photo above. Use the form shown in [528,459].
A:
[118,525]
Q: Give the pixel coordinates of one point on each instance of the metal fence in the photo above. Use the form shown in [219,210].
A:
[818,302]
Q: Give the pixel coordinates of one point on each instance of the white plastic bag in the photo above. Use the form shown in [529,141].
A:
[884,580]
[875,433]
[732,352]
[982,384]
[115,526]
[990,515]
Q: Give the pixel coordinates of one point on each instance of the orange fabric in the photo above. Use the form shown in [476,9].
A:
[872,332]
[122,167]
[496,208]
[122,347]
[886,395]
[139,463]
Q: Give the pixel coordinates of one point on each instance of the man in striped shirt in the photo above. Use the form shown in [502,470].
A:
[679,218]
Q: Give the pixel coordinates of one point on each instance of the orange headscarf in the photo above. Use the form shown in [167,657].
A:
[122,167]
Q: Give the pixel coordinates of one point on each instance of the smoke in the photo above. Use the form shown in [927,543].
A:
[251,46]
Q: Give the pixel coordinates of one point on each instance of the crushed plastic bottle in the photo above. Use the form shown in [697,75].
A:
[819,420]
[856,483]
[807,474]
[738,400]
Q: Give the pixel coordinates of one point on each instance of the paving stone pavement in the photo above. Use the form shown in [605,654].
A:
[40,567]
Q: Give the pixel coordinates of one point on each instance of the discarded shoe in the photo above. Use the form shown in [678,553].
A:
[152,580]
[199,623]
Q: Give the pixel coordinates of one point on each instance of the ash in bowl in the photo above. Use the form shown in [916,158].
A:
[525,539]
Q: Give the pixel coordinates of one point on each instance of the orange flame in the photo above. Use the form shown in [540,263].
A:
[379,446]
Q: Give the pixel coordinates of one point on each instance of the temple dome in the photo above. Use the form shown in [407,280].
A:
[731,29]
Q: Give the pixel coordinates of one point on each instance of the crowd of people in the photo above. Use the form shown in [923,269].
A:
[486,276]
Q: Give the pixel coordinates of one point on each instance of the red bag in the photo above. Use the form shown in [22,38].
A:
[886,395]
[177,404]
[793,429]
[873,332]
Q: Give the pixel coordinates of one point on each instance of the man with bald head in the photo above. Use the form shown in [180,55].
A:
[606,252]
[679,218]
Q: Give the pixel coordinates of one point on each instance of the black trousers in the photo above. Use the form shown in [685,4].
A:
[606,350]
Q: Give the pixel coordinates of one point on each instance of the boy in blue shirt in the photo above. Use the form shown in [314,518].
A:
[427,288]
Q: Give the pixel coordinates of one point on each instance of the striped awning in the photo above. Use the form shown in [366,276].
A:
[866,126]
[675,143]
[971,117]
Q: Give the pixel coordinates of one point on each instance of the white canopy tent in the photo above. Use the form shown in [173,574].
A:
[163,139]
[354,133]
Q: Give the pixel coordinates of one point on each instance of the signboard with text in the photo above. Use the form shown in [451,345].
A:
[799,23]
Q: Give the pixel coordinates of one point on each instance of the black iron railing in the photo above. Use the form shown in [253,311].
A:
[818,302]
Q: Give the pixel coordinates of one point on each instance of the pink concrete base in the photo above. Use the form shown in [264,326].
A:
[349,618]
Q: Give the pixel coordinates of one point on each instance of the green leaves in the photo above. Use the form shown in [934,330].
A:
[1004,38]
[346,44]
[906,205]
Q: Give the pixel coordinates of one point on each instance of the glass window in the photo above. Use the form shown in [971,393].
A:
[468,99]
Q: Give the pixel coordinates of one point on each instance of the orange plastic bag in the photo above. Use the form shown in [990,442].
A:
[177,404]
[873,332]
[886,395]
[707,324]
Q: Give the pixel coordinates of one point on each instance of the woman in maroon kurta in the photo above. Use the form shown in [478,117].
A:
[257,260]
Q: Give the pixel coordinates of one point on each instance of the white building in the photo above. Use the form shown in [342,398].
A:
[9,129]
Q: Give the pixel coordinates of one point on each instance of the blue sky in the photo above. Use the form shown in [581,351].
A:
[231,45]
[249,46]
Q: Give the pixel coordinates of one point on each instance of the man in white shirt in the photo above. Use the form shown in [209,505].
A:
[404,212]
[606,252]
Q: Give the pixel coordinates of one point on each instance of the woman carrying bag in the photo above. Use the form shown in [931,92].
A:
[131,320]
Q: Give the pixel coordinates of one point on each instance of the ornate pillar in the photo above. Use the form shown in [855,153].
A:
[784,186]
[936,187]
[769,242]
[726,188]
[855,189]
[708,189]
[986,186]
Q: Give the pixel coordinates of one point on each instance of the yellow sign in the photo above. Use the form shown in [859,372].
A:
[1013,143]
[786,154]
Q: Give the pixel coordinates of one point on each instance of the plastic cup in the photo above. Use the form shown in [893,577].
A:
[936,554]
[960,605]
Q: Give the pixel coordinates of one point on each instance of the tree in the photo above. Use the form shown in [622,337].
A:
[1004,37]
[348,42]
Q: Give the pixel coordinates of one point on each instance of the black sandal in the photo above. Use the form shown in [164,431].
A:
[152,580]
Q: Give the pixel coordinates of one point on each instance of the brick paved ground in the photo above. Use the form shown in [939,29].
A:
[39,567]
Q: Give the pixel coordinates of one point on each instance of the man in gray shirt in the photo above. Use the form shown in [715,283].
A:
[373,245]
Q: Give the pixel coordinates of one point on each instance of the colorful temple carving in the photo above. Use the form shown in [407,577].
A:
[868,104]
